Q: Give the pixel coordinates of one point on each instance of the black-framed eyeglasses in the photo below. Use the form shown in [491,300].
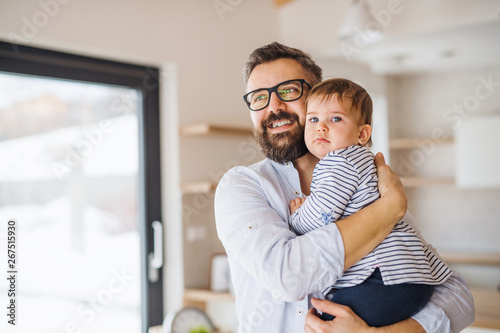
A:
[287,91]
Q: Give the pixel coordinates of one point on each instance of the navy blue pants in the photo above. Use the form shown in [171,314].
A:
[380,305]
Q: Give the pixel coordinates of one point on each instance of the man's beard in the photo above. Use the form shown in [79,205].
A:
[285,146]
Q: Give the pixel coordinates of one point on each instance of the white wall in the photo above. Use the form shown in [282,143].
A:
[452,219]
[201,49]
[420,105]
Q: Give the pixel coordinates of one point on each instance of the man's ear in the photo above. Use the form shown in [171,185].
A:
[365,131]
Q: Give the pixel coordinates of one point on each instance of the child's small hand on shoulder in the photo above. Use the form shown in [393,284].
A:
[295,204]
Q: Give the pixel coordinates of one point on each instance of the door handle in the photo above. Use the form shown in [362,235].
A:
[156,257]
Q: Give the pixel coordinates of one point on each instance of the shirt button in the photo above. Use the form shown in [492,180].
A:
[287,163]
[300,312]
[297,193]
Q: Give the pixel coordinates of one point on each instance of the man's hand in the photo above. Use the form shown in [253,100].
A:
[390,187]
[345,319]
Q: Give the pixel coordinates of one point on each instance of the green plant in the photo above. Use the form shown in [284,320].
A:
[199,329]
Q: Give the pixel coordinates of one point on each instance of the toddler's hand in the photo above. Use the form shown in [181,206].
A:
[295,204]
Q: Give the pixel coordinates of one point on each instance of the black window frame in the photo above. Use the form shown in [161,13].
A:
[22,59]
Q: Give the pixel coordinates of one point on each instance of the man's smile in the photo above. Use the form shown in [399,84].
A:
[281,125]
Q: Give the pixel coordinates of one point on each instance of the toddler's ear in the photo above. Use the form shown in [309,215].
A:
[365,131]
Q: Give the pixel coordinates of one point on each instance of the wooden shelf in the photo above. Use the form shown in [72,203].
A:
[426,181]
[486,301]
[413,143]
[198,187]
[202,295]
[488,259]
[279,3]
[199,298]
[487,306]
[204,129]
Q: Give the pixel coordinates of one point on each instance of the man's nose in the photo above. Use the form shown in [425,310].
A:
[275,104]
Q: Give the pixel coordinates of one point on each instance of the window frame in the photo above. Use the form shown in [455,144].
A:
[21,59]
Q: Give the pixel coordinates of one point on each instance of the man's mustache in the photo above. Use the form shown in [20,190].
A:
[281,115]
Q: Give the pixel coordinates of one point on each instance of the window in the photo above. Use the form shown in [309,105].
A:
[80,137]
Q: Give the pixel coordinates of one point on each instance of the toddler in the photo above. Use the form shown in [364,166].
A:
[396,279]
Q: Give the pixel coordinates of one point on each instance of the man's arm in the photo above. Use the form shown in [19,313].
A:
[450,309]
[256,236]
[290,266]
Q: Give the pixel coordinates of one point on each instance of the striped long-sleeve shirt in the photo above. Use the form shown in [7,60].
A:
[346,181]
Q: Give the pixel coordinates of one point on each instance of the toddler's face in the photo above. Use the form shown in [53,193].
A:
[330,125]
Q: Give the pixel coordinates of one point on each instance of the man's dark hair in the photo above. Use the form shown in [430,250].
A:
[275,51]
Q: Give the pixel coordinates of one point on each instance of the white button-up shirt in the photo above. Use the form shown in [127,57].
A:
[274,271]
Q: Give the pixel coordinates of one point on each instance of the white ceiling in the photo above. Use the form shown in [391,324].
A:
[419,36]
[460,47]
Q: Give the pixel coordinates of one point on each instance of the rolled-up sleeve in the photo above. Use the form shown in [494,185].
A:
[451,308]
[255,235]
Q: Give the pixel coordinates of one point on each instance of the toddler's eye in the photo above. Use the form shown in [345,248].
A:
[336,119]
[313,119]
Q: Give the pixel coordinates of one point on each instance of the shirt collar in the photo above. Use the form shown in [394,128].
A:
[286,165]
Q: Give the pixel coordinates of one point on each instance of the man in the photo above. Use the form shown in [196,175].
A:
[274,271]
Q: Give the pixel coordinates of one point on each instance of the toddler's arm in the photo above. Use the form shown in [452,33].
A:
[335,183]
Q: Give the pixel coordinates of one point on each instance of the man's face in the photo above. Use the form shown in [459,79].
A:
[279,128]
